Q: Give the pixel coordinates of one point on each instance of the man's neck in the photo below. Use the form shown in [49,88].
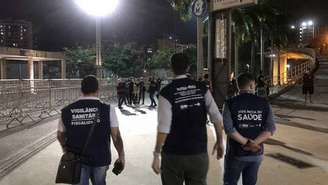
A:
[180,76]
[249,91]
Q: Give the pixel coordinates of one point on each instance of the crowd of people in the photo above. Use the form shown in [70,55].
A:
[180,154]
[133,91]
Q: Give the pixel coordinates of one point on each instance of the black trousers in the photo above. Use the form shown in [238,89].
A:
[191,170]
[152,99]
[121,100]
[142,96]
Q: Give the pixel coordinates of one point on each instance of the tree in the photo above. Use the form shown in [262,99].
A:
[80,61]
[183,7]
[123,61]
[161,59]
[192,56]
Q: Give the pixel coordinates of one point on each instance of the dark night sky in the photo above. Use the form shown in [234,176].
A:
[60,23]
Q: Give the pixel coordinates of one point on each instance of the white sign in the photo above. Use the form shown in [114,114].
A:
[221,39]
[226,4]
[199,8]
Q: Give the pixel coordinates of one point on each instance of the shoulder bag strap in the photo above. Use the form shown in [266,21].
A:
[91,132]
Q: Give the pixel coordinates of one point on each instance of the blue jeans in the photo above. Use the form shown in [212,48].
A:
[233,168]
[96,174]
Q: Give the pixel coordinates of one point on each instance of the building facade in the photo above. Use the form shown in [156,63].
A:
[16,33]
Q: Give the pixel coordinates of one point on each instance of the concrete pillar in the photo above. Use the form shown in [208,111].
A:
[2,69]
[40,67]
[63,69]
[30,69]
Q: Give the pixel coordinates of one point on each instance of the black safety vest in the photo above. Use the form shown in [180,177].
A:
[188,135]
[249,114]
[78,119]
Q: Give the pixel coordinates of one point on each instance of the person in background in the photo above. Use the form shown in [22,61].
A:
[207,82]
[182,134]
[135,92]
[130,85]
[308,86]
[158,86]
[121,93]
[152,90]
[142,90]
[261,85]
[233,86]
[73,129]
[248,122]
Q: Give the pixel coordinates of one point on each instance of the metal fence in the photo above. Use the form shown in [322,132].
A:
[23,101]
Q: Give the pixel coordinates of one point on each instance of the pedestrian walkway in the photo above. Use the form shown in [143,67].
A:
[295,98]
[139,132]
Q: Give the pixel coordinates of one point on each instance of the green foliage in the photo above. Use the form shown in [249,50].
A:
[161,59]
[80,61]
[192,55]
[123,61]
[183,7]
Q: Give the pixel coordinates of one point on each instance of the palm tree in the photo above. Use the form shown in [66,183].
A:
[264,22]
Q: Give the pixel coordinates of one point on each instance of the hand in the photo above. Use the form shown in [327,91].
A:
[121,160]
[251,146]
[156,165]
[219,148]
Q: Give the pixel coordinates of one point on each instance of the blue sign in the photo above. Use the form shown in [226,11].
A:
[199,8]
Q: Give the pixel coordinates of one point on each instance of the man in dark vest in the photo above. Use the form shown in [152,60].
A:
[75,124]
[248,123]
[182,134]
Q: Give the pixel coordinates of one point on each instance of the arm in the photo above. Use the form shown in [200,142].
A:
[116,136]
[61,134]
[160,140]
[269,128]
[61,140]
[238,137]
[229,128]
[216,119]
[164,127]
[118,142]
[262,137]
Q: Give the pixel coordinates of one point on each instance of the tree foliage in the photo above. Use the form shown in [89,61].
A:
[192,56]
[161,59]
[80,61]
[123,61]
[183,7]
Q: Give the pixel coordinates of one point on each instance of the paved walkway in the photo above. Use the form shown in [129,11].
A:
[139,136]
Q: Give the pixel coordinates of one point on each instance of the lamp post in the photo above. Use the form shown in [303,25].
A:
[98,9]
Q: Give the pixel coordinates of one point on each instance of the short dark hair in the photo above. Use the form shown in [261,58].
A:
[244,79]
[89,84]
[179,63]
[206,76]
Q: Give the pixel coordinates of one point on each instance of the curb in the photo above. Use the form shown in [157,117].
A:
[299,106]
[14,161]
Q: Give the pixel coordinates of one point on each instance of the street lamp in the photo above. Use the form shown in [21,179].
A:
[98,9]
[310,23]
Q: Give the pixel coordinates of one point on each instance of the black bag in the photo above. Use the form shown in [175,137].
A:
[69,169]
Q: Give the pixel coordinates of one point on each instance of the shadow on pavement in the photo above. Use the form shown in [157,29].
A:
[127,113]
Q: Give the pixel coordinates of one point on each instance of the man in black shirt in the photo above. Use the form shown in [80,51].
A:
[248,123]
[308,86]
[182,132]
[73,129]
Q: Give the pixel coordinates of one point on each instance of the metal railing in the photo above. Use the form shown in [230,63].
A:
[23,101]
[291,77]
